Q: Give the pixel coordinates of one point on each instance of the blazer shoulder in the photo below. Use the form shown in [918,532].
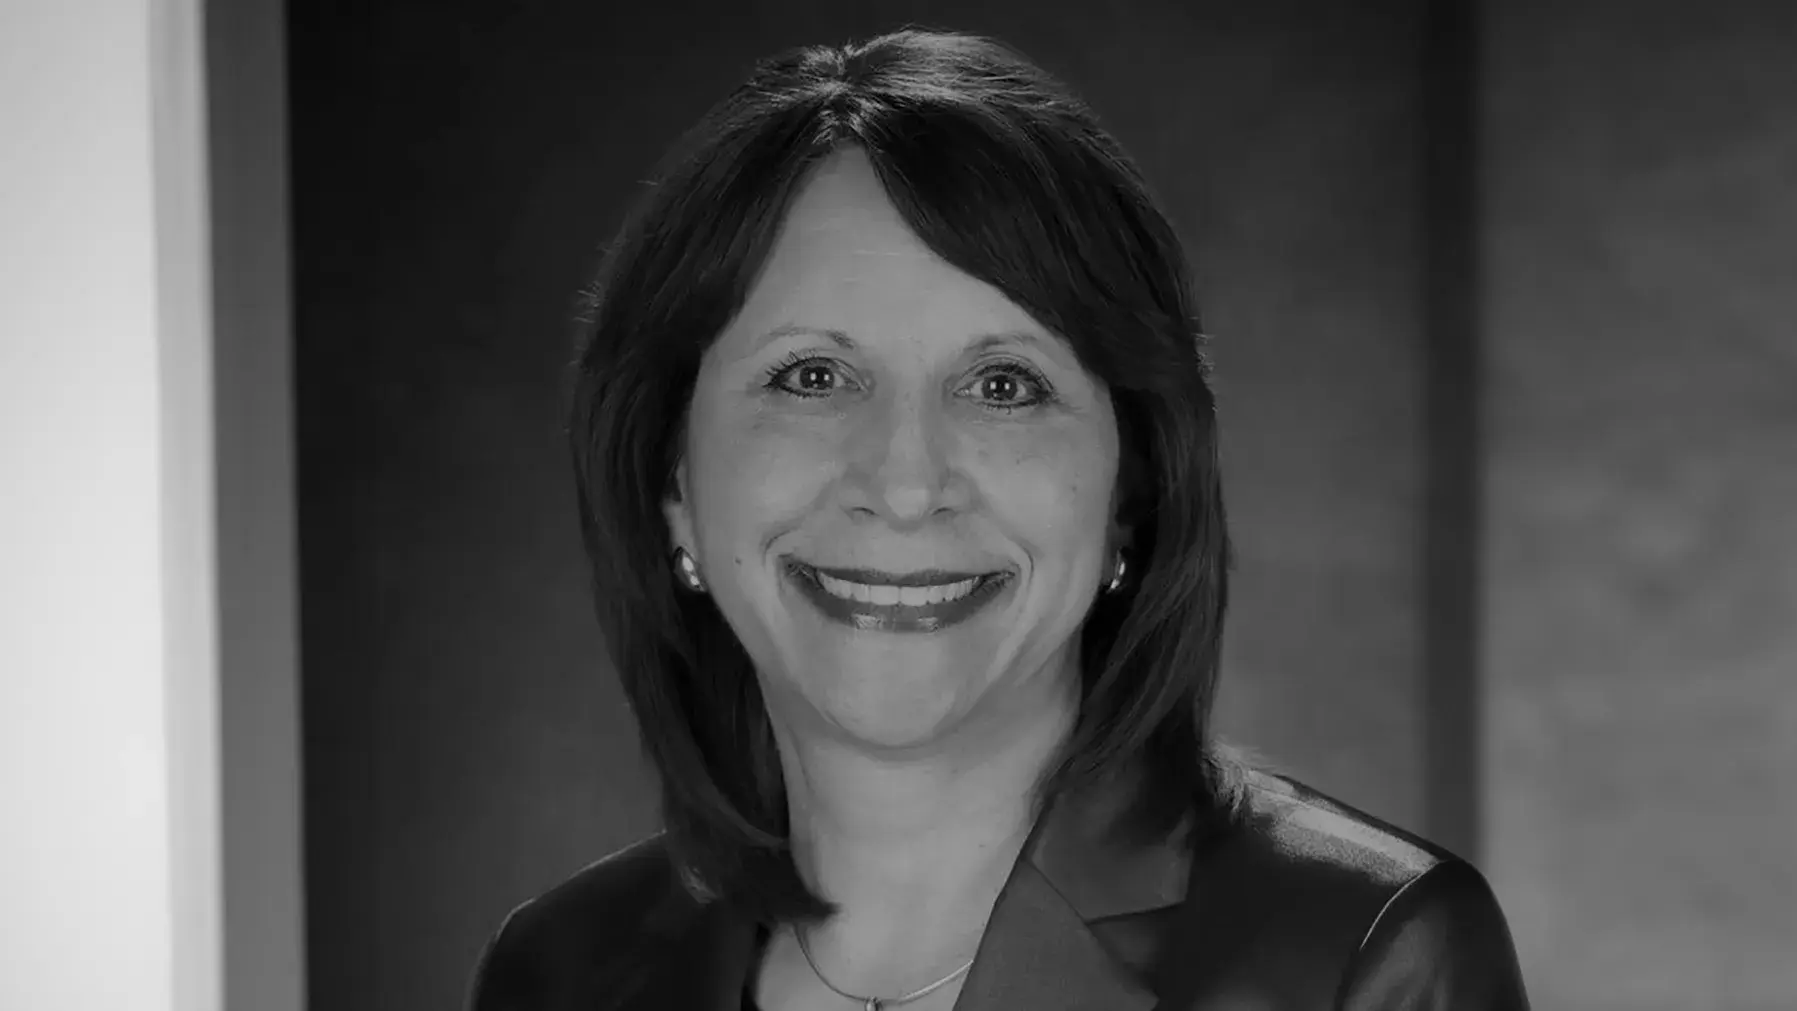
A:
[1310,832]
[1440,942]
[1304,868]
[574,929]
[1317,901]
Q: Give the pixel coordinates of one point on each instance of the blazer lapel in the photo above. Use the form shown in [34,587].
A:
[1041,950]
[1039,954]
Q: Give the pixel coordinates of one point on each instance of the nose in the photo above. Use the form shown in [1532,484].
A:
[903,468]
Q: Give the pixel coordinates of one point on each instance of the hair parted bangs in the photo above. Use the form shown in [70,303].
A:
[1007,176]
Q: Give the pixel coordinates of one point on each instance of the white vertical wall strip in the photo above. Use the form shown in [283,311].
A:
[108,761]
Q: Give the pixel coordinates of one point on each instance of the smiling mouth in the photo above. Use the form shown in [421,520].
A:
[875,577]
[920,589]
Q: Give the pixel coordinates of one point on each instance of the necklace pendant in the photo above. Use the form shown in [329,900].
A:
[873,1004]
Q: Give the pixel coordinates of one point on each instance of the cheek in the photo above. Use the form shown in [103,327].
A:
[1056,488]
[761,473]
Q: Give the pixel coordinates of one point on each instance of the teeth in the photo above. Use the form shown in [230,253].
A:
[910,596]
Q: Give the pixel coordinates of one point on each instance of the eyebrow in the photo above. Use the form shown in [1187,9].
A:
[841,339]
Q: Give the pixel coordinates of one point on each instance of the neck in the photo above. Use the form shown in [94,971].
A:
[927,838]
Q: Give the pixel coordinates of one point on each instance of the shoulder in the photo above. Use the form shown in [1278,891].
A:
[1297,858]
[571,933]
[1320,896]
[1287,824]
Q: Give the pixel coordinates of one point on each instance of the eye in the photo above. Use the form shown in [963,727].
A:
[814,375]
[1005,387]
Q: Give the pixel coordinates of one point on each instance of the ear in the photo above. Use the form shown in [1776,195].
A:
[1120,532]
[1119,537]
[677,509]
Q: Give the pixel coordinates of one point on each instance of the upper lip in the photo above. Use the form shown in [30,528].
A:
[920,577]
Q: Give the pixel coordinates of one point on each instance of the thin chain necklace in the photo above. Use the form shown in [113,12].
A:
[873,1003]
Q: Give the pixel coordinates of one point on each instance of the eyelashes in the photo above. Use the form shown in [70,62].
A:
[776,380]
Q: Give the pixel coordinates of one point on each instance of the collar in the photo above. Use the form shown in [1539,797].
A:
[1075,895]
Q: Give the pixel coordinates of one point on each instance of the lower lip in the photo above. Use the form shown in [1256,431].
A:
[867,617]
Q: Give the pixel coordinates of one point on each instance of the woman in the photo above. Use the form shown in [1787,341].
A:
[897,467]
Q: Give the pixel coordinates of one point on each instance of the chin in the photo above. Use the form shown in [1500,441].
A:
[891,721]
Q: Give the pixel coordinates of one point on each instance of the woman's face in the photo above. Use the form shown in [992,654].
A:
[874,408]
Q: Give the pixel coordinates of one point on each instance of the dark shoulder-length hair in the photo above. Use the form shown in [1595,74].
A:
[1006,175]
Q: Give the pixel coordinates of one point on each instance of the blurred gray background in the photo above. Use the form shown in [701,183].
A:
[1502,302]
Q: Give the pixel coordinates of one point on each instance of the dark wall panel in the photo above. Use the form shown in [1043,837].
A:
[1297,179]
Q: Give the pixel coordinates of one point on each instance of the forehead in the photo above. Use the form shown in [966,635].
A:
[845,259]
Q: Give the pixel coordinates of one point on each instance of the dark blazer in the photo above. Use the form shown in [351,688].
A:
[1309,904]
